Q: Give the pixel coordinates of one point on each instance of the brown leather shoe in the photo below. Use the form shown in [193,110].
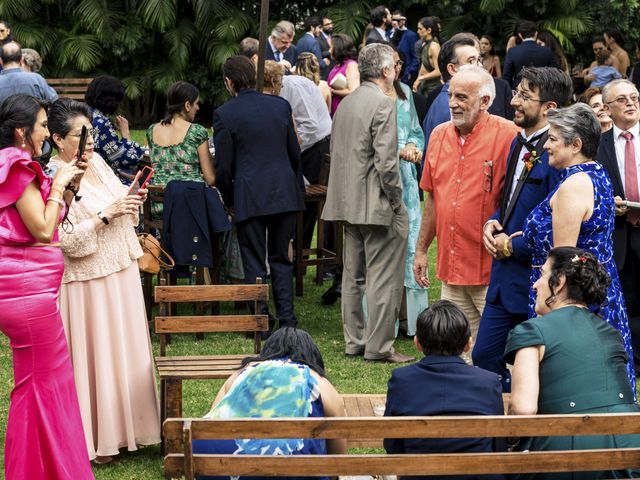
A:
[395,357]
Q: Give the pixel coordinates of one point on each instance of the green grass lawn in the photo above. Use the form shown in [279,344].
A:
[322,322]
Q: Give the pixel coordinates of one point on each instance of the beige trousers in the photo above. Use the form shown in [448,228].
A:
[374,259]
[470,299]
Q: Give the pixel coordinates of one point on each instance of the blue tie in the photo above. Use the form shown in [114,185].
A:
[277,54]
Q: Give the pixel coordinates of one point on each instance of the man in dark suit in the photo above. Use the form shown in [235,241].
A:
[541,89]
[309,41]
[443,384]
[380,18]
[619,153]
[527,54]
[279,45]
[259,174]
[324,39]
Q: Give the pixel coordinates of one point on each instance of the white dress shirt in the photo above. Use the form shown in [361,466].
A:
[520,164]
[620,143]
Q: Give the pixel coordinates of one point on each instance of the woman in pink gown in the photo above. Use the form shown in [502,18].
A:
[44,437]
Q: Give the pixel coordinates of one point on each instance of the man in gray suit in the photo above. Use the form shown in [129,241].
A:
[365,192]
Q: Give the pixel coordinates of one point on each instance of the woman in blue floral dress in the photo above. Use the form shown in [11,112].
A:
[410,145]
[285,380]
[579,212]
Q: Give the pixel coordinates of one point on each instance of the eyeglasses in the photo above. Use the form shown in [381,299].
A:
[3,30]
[399,63]
[78,135]
[525,97]
[622,100]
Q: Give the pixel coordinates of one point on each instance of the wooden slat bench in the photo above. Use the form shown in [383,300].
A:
[70,87]
[181,460]
[173,370]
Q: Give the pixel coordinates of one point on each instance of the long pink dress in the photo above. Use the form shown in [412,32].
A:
[44,437]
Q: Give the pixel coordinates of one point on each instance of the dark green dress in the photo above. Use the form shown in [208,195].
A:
[583,371]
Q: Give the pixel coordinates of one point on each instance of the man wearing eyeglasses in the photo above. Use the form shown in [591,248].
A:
[13,79]
[619,153]
[541,89]
[463,176]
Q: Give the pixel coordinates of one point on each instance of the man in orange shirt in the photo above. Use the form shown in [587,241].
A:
[465,165]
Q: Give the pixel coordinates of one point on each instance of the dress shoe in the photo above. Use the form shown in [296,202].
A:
[332,294]
[353,355]
[395,357]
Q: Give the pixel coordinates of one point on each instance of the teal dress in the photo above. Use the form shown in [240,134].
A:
[409,131]
[583,370]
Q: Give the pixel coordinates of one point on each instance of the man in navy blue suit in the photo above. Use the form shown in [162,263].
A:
[443,384]
[280,45]
[541,89]
[309,41]
[259,174]
[527,54]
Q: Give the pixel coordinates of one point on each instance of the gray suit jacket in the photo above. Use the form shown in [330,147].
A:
[364,180]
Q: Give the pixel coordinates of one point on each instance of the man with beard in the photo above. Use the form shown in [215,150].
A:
[324,39]
[528,181]
[380,18]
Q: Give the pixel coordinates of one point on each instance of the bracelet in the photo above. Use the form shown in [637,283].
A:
[56,189]
[103,217]
[59,202]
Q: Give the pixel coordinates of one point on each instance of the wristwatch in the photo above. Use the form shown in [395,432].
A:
[505,250]
[102,217]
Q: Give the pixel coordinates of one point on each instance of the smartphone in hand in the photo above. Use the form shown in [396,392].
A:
[84,133]
[141,179]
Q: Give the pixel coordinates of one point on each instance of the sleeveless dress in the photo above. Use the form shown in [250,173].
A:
[44,430]
[427,85]
[269,389]
[596,236]
[583,371]
[335,99]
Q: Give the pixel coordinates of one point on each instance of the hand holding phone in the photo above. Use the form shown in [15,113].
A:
[141,179]
[84,133]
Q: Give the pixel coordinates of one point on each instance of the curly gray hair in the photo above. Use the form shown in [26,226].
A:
[373,58]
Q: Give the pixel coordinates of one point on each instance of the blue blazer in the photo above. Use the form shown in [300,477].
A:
[407,47]
[308,43]
[441,385]
[258,167]
[527,54]
[509,278]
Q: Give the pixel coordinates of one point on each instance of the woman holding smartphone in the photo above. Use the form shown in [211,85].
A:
[44,430]
[101,300]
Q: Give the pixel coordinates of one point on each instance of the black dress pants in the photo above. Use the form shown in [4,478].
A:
[270,235]
[630,282]
[312,159]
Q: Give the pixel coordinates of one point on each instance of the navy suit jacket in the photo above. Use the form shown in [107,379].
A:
[510,277]
[527,54]
[290,55]
[407,47]
[607,158]
[309,43]
[258,167]
[441,385]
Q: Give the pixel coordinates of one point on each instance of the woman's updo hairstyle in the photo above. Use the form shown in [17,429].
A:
[18,111]
[179,93]
[105,93]
[587,280]
[61,113]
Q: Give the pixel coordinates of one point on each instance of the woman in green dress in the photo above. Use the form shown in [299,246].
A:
[567,360]
[429,75]
[178,147]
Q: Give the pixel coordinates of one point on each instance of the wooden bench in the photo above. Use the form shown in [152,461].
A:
[75,88]
[181,460]
[173,370]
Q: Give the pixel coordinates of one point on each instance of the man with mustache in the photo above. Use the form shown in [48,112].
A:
[464,170]
[528,181]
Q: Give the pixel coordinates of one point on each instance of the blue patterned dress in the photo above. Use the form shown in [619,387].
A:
[596,236]
[409,131]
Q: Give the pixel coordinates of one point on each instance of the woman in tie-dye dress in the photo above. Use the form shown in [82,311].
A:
[580,211]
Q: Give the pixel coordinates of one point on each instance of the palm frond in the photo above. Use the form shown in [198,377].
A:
[492,7]
[350,18]
[208,13]
[19,9]
[217,53]
[178,41]
[95,16]
[158,14]
[163,76]
[234,28]
[134,87]
[82,51]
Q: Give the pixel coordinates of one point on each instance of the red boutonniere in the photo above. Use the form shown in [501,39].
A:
[529,159]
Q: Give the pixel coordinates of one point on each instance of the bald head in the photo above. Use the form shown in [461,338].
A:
[11,55]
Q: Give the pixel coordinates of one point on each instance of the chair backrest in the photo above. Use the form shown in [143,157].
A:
[255,323]
[180,459]
[154,197]
[325,166]
[74,88]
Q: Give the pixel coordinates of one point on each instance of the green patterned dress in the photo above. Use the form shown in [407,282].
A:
[179,161]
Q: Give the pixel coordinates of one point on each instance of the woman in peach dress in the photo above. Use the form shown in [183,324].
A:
[101,299]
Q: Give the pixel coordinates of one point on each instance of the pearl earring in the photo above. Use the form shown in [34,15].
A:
[61,150]
[24,145]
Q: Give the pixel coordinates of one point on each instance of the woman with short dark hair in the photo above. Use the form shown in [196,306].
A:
[344,77]
[579,211]
[287,379]
[567,360]
[104,95]
[44,437]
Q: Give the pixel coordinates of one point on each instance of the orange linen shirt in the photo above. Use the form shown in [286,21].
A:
[466,181]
